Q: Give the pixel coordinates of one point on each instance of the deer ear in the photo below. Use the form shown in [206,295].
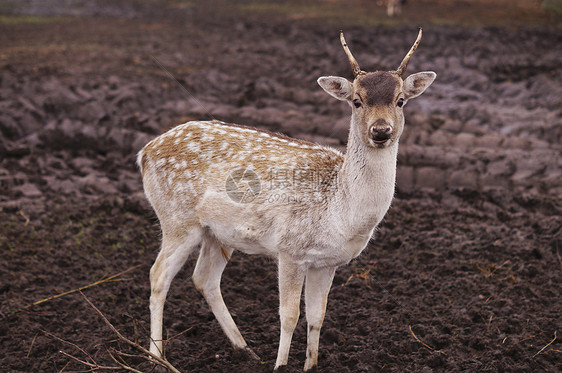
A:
[416,84]
[337,87]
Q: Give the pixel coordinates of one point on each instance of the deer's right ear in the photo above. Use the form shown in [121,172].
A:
[338,87]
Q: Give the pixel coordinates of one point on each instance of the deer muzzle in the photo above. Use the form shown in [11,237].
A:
[380,131]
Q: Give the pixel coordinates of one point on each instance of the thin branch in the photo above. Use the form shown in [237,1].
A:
[431,349]
[169,339]
[157,359]
[80,289]
[123,364]
[179,334]
[548,344]
[526,339]
[121,353]
[30,347]
[64,367]
[130,355]
[93,366]
[20,212]
[71,344]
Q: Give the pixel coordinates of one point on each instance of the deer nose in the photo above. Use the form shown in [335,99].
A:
[380,131]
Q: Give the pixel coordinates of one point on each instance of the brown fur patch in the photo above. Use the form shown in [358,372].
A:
[380,87]
[225,254]
[143,163]
[194,155]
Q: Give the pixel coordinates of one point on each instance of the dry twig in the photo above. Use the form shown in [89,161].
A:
[364,274]
[146,353]
[116,355]
[123,364]
[71,344]
[64,367]
[111,278]
[545,347]
[23,215]
[526,339]
[30,347]
[491,269]
[428,347]
[93,366]
[179,334]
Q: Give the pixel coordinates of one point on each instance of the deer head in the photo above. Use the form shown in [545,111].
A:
[377,98]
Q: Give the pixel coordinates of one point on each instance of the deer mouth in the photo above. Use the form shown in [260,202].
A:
[380,135]
[380,142]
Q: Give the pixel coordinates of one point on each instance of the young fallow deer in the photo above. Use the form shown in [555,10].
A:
[223,187]
[393,7]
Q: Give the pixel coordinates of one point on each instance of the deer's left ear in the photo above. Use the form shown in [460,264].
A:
[416,84]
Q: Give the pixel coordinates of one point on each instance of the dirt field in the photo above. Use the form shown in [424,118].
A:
[464,273]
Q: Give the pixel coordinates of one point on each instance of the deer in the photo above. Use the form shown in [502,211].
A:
[218,187]
[393,7]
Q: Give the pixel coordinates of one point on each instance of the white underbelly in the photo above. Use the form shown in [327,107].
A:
[244,237]
[263,230]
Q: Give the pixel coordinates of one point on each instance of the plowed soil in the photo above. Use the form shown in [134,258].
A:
[463,274]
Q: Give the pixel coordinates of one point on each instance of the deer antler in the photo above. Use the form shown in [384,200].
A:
[402,68]
[354,65]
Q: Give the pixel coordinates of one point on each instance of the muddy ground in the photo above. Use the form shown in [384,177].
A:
[464,273]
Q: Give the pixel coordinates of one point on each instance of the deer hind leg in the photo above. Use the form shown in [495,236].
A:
[207,276]
[175,250]
[291,278]
[318,283]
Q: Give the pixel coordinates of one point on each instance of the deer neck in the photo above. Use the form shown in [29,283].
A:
[365,185]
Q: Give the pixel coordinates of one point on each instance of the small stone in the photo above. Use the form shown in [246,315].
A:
[29,190]
[490,140]
[504,167]
[452,125]
[93,184]
[465,140]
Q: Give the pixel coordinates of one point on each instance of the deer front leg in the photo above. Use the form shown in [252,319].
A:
[318,283]
[291,278]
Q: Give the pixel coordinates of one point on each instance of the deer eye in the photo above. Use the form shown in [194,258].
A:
[356,102]
[400,102]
